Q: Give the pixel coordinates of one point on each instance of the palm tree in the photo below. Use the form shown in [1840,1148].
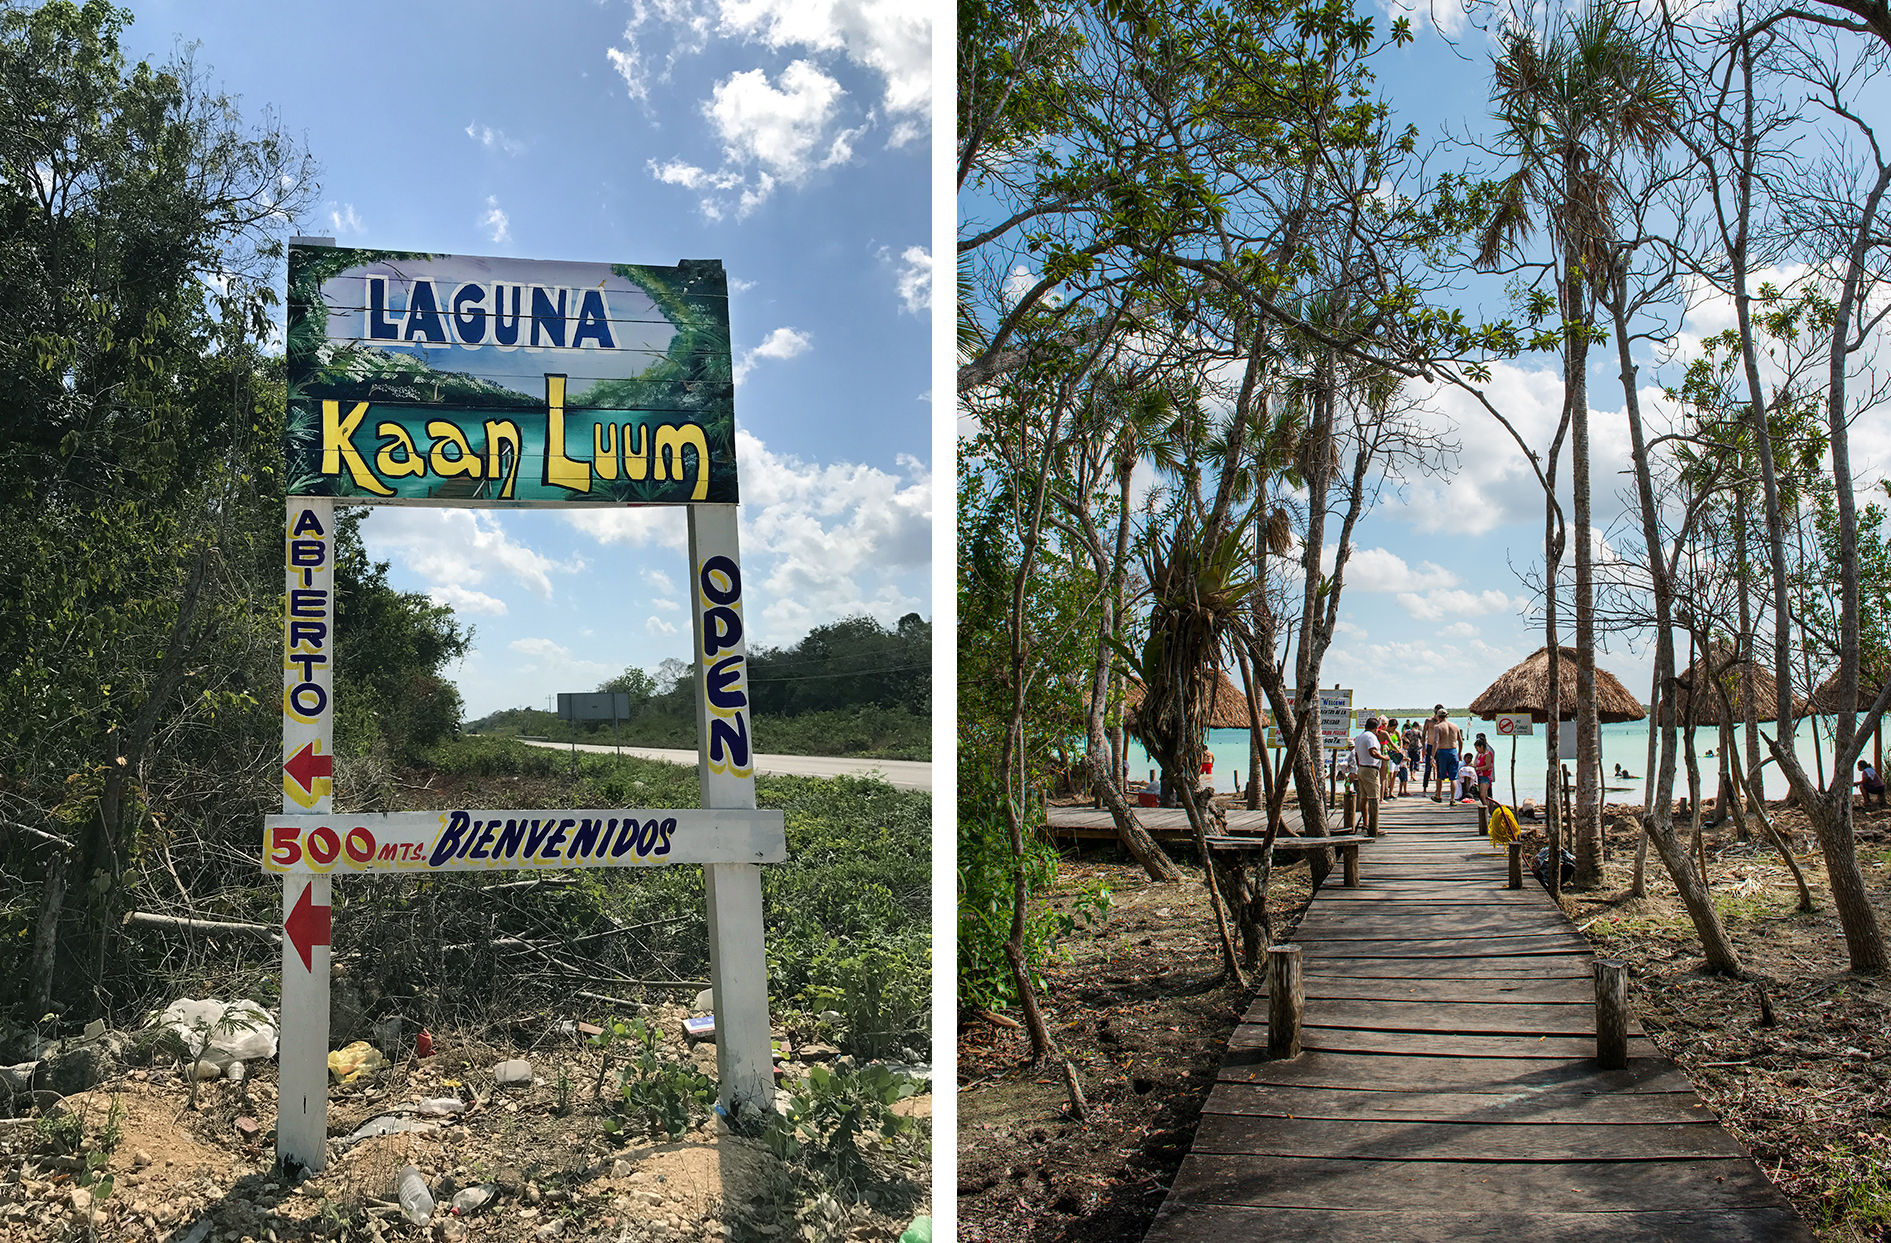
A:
[1574,108]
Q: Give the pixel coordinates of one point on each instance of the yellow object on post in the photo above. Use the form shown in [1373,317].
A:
[1503,827]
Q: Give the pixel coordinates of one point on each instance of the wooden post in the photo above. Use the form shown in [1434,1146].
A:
[738,965]
[1346,813]
[1349,856]
[1516,865]
[1611,1013]
[1483,819]
[1285,999]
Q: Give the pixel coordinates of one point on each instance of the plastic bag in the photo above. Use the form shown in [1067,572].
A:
[233,1031]
[1540,867]
[354,1062]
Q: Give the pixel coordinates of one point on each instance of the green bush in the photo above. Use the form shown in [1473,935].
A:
[831,1109]
[664,1096]
[985,902]
[879,988]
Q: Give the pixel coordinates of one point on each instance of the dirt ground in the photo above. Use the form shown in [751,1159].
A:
[1140,1006]
[1809,1094]
[205,1175]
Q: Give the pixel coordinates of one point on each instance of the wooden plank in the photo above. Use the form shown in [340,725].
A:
[1461,949]
[1572,1142]
[1187,1223]
[1265,1100]
[1409,1073]
[1373,932]
[1436,1044]
[1488,1018]
[1570,990]
[1567,967]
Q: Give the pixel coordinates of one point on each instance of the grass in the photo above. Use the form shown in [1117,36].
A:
[1736,910]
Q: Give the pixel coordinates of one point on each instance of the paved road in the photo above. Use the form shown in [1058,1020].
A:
[906,774]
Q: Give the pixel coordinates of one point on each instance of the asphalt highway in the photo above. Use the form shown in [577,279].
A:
[906,774]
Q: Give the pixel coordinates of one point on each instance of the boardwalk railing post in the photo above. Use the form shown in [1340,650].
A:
[1346,816]
[1483,820]
[1611,1013]
[1516,865]
[1285,1000]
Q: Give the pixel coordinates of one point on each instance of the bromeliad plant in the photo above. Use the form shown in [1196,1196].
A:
[1199,586]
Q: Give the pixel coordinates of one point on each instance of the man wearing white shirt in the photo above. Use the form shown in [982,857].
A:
[1369,762]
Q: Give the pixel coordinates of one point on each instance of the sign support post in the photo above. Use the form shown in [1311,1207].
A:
[308,779]
[725,767]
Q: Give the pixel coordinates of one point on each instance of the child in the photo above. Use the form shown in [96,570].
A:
[1486,766]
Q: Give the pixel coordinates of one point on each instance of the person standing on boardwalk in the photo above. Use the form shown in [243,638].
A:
[1445,737]
[1368,762]
[1486,770]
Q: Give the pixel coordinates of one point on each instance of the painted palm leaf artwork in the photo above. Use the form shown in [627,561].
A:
[428,379]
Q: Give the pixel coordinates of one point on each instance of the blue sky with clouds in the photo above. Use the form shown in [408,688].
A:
[789,139]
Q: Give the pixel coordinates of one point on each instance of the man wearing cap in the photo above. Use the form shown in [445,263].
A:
[1446,737]
[1369,764]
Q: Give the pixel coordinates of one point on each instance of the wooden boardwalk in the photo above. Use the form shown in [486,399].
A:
[1447,1087]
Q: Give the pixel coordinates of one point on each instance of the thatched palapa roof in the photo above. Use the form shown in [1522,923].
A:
[1722,661]
[1870,682]
[1526,688]
[1229,709]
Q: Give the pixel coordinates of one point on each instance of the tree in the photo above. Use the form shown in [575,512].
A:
[1573,106]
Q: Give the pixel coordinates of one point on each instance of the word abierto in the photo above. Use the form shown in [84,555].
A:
[467,840]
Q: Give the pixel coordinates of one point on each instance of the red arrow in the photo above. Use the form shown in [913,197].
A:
[307,925]
[305,766]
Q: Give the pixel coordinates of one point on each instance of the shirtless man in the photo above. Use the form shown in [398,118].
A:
[1446,737]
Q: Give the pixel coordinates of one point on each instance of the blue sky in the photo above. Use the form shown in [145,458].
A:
[790,140]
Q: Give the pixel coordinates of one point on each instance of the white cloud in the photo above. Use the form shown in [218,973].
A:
[740,286]
[1446,16]
[464,600]
[657,626]
[782,343]
[828,531]
[1350,629]
[819,541]
[459,548]
[343,220]
[496,220]
[891,37]
[683,17]
[667,606]
[1460,630]
[555,666]
[661,581]
[493,139]
[1436,605]
[1376,569]
[914,279]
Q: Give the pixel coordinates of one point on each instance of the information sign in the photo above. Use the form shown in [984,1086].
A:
[426,379]
[1514,725]
[603,706]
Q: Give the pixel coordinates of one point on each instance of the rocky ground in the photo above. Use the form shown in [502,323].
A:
[536,1154]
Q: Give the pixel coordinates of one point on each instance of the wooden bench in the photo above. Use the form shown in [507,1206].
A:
[1347,845]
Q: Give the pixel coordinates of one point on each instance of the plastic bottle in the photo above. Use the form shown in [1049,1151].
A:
[439,1106]
[416,1200]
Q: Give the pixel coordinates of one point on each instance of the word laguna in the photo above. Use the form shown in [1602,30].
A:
[457,380]
[467,840]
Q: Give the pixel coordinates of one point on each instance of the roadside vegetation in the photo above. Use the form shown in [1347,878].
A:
[848,688]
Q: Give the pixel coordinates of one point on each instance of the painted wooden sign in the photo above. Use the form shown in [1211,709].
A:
[469,840]
[428,379]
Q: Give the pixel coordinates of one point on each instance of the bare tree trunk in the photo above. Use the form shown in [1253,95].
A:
[1230,959]
[52,900]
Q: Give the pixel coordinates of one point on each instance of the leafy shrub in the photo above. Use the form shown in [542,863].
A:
[878,987]
[985,900]
[663,1095]
[831,1109]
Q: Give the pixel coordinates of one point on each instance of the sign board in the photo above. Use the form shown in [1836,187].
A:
[429,379]
[425,379]
[466,840]
[1336,718]
[601,706]
[1514,725]
[1565,740]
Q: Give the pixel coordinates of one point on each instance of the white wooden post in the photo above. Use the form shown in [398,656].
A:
[308,708]
[725,765]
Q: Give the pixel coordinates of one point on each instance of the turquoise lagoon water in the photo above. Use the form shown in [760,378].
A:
[1625,744]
